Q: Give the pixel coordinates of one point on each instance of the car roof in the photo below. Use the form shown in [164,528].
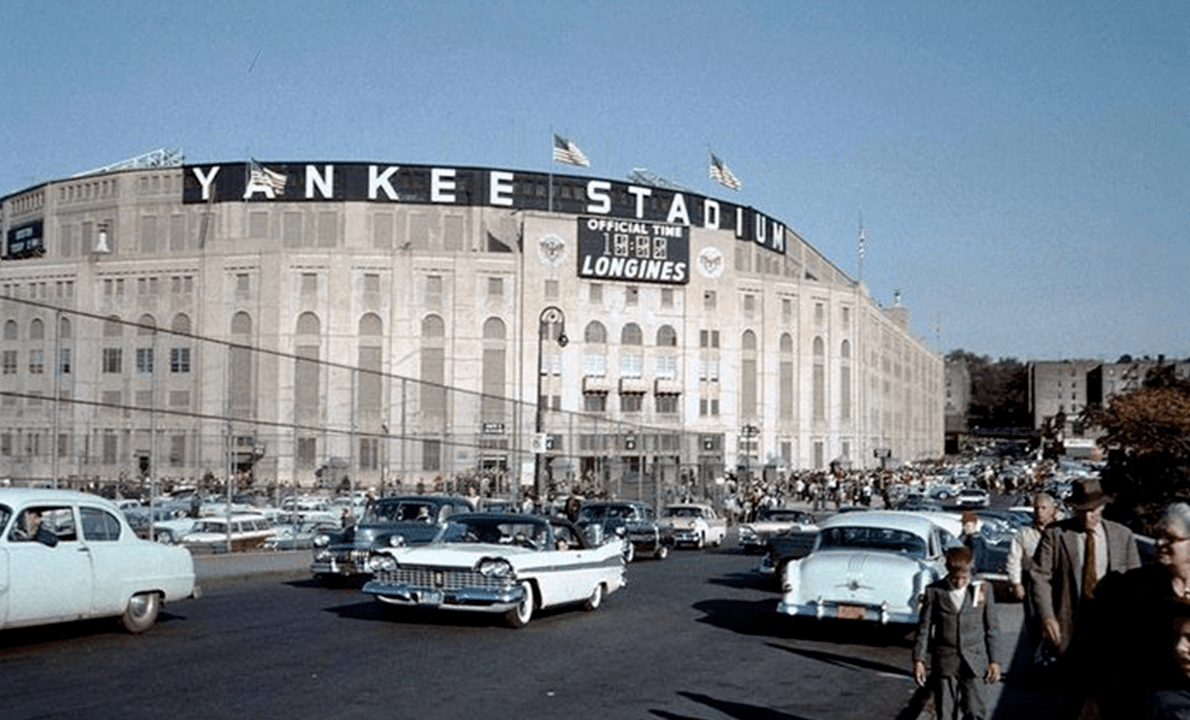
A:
[25,496]
[894,519]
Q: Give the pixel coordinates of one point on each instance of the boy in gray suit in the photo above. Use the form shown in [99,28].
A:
[960,635]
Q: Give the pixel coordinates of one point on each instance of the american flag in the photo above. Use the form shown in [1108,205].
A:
[566,151]
[722,174]
[260,176]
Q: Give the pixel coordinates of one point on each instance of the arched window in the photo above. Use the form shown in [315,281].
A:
[432,326]
[495,371]
[433,371]
[37,329]
[595,355]
[241,366]
[632,335]
[370,325]
[595,333]
[819,380]
[667,336]
[180,323]
[65,329]
[749,376]
[494,329]
[10,330]
[845,380]
[308,324]
[112,327]
[369,387]
[146,325]
[785,377]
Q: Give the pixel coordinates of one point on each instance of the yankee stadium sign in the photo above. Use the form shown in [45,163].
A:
[471,186]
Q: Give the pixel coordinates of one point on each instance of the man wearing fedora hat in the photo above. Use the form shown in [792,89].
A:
[1072,558]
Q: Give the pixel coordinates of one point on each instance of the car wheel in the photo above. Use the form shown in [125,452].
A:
[629,553]
[596,599]
[662,552]
[141,612]
[519,616]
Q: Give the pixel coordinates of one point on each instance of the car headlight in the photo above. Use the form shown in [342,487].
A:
[322,541]
[382,563]
[494,567]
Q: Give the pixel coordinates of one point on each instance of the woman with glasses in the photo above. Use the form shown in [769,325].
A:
[1139,617]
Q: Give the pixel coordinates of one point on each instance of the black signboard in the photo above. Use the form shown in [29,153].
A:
[633,251]
[25,241]
[257,182]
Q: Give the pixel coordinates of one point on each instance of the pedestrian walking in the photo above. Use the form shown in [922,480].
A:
[958,635]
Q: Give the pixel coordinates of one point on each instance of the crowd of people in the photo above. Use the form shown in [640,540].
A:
[1108,633]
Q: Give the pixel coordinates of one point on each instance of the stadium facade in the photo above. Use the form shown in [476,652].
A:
[414,322]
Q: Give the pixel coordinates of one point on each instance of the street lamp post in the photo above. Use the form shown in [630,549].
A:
[551,323]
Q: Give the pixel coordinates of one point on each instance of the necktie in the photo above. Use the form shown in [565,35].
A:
[1090,576]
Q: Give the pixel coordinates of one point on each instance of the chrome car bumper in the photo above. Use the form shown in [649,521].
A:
[466,598]
[330,562]
[828,609]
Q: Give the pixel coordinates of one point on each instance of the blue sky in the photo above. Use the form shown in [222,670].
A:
[1022,168]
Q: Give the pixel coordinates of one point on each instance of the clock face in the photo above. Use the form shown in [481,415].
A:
[551,249]
[710,262]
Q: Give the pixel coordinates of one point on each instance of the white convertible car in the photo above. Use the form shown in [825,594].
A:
[68,555]
[498,563]
[870,566]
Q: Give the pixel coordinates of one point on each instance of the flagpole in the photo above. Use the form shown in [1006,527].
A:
[550,189]
[861,248]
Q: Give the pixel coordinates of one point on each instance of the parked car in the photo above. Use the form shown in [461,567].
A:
[972,497]
[631,520]
[755,535]
[243,531]
[867,566]
[783,547]
[67,555]
[919,503]
[693,524]
[415,518]
[514,564]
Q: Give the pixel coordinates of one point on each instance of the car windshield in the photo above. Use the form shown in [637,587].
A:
[600,512]
[495,532]
[872,538]
[682,512]
[210,526]
[404,511]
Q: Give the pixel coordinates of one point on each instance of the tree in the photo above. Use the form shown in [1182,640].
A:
[999,390]
[1147,437]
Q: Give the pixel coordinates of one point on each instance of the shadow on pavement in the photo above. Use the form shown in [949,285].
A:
[844,661]
[743,711]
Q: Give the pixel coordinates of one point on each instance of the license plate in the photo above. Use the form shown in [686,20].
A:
[429,598]
[851,612]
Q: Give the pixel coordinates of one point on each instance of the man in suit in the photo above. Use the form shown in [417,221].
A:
[1073,558]
[958,632]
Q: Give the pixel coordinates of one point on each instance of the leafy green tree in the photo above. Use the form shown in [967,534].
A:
[999,390]
[1147,437]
